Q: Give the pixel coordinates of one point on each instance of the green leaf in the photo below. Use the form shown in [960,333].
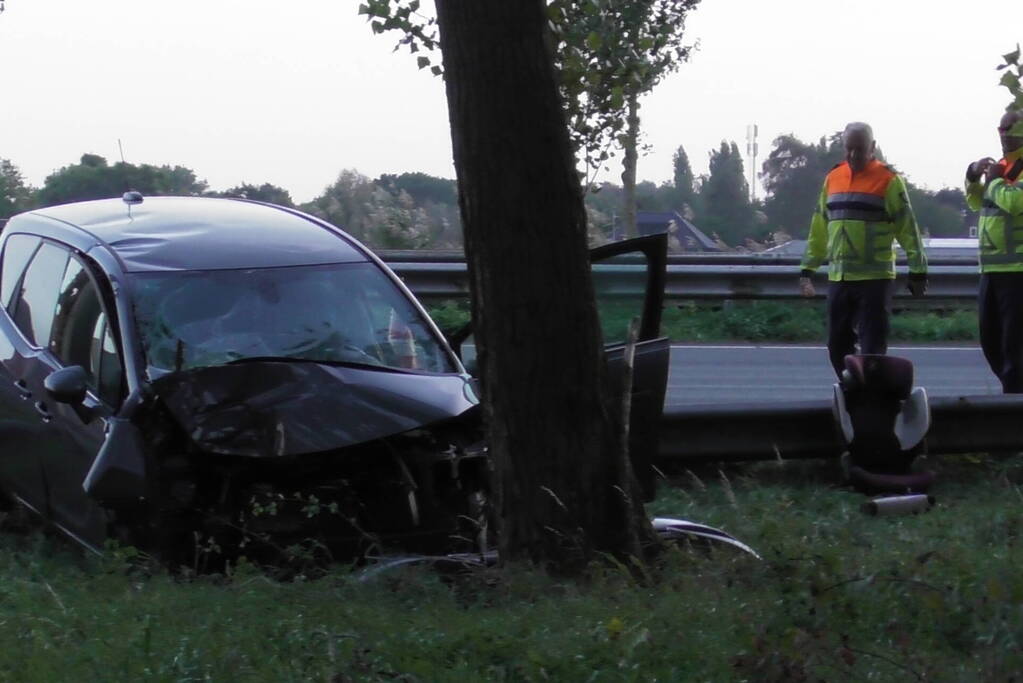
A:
[594,41]
[617,97]
[423,62]
[435,70]
[1012,57]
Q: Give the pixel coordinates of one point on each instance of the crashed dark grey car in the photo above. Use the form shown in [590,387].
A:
[189,374]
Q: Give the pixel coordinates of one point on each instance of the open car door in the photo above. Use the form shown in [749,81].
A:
[628,278]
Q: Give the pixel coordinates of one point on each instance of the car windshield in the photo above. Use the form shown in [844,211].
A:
[337,313]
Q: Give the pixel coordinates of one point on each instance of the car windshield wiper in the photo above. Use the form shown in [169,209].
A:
[333,363]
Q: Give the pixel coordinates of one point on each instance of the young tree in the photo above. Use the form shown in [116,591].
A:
[554,444]
[724,197]
[609,54]
[15,195]
[684,182]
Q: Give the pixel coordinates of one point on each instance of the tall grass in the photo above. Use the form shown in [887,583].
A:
[754,321]
[839,596]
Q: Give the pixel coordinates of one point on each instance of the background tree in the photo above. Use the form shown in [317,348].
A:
[609,54]
[267,192]
[397,223]
[347,203]
[15,195]
[792,176]
[724,197]
[437,198]
[942,214]
[406,211]
[684,184]
[421,187]
[94,178]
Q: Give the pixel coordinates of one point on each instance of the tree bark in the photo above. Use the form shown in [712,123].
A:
[554,442]
[629,167]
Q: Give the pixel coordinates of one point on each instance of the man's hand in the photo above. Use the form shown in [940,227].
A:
[917,286]
[806,287]
[978,168]
[993,172]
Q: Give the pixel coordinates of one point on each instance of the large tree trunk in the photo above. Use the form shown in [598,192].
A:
[629,166]
[553,440]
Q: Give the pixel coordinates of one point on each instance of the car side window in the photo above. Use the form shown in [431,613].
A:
[620,295]
[17,251]
[81,335]
[37,301]
[104,363]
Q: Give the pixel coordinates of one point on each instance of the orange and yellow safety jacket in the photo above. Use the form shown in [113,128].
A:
[857,219]
[1000,231]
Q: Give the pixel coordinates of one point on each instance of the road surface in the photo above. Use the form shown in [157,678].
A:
[740,373]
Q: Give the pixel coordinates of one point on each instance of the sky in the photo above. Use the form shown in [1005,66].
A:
[294,92]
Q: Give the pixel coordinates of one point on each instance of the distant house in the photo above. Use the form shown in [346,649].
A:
[690,238]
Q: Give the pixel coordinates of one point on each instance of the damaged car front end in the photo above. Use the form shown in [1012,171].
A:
[204,378]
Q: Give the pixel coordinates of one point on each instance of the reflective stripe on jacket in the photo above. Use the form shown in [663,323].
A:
[857,219]
[1000,231]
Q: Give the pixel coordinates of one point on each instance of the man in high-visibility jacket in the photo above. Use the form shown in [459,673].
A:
[996,190]
[862,209]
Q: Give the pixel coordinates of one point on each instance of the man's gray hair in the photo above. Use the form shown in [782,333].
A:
[858,127]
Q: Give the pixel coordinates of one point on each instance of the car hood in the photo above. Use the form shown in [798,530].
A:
[271,408]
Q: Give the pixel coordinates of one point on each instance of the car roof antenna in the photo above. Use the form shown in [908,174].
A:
[130,197]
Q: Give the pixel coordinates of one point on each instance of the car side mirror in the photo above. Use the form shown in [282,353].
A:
[67,385]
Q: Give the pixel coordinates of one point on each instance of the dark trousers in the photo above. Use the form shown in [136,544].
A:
[858,311]
[1000,305]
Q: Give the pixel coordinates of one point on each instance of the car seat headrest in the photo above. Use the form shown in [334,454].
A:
[889,376]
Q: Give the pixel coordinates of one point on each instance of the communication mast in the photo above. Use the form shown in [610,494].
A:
[751,151]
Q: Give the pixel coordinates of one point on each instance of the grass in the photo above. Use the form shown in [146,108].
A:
[755,321]
[839,596]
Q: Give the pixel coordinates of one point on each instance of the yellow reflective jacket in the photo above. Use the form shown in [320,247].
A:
[1000,232]
[857,219]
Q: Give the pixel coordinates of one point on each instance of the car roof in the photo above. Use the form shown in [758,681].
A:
[205,233]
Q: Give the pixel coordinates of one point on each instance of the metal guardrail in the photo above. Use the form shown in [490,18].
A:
[708,278]
[799,430]
[793,430]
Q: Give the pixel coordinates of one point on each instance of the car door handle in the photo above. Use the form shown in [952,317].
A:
[43,411]
[23,389]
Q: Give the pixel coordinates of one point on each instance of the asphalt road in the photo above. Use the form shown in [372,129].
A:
[751,373]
